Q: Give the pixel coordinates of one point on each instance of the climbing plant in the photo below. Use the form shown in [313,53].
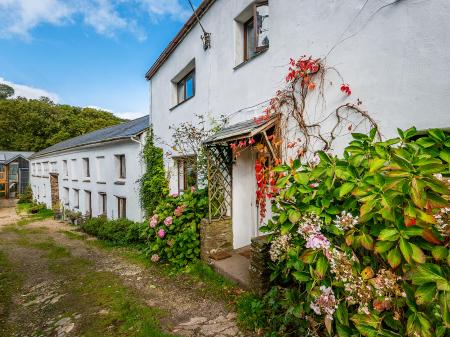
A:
[153,183]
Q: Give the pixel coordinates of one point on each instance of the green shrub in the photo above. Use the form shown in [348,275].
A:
[360,243]
[174,230]
[120,232]
[26,197]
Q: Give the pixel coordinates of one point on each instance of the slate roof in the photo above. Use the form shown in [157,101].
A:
[246,129]
[8,156]
[116,132]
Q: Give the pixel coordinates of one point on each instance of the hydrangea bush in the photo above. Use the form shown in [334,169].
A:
[359,244]
[173,231]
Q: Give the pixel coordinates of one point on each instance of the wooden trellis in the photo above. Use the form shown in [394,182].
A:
[219,181]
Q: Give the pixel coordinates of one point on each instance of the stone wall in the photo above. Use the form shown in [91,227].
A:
[216,237]
[259,271]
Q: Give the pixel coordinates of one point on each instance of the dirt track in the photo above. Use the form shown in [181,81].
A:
[66,285]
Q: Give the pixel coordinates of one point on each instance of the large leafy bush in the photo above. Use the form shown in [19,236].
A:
[173,231]
[360,243]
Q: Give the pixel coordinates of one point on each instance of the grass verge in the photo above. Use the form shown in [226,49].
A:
[10,284]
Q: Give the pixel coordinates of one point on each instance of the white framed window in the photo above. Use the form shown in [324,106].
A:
[76,198]
[102,204]
[86,168]
[187,172]
[88,203]
[66,196]
[73,169]
[65,169]
[46,169]
[53,167]
[100,168]
[121,168]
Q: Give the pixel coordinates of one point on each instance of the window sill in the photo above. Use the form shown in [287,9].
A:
[101,182]
[263,51]
[86,180]
[181,103]
[75,180]
[65,179]
[44,176]
[119,183]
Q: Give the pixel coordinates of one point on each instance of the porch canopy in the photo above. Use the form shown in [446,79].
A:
[220,160]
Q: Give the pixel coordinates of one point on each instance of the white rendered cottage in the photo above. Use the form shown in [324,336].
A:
[95,174]
[394,54]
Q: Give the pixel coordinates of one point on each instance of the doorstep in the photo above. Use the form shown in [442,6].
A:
[235,267]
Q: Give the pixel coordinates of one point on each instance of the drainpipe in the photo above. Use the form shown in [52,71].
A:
[141,146]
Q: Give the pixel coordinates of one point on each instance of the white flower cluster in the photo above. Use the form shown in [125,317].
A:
[309,228]
[443,221]
[279,246]
[346,221]
[325,304]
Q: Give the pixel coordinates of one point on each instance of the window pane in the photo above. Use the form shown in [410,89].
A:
[180,92]
[250,40]
[189,87]
[262,22]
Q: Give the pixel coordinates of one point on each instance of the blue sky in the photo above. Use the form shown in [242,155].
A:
[86,52]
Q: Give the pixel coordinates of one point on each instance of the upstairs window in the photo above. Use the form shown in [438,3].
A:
[252,31]
[186,87]
[121,166]
[86,168]
[65,168]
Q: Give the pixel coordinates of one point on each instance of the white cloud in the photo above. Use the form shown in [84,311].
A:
[30,92]
[19,17]
[123,115]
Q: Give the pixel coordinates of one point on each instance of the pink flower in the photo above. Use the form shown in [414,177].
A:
[168,221]
[161,233]
[318,241]
[193,189]
[154,221]
[178,211]
[174,195]
[155,258]
[314,185]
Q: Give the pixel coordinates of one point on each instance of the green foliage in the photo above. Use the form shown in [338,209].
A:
[27,196]
[153,183]
[174,230]
[386,264]
[119,232]
[6,91]
[32,125]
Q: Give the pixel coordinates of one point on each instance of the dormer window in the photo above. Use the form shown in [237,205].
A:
[186,87]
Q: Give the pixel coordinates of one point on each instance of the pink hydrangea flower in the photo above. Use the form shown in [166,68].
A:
[174,195]
[168,221]
[161,233]
[155,258]
[193,189]
[179,210]
[318,241]
[154,221]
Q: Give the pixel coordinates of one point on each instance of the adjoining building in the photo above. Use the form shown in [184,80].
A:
[95,174]
[398,71]
[14,173]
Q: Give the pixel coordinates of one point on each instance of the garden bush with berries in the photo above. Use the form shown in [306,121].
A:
[360,244]
[173,232]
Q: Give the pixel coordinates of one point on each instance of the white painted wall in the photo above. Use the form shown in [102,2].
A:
[100,181]
[397,61]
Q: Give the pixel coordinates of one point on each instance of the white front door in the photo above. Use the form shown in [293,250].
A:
[244,200]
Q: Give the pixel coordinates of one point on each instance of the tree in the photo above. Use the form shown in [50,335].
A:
[35,124]
[6,91]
